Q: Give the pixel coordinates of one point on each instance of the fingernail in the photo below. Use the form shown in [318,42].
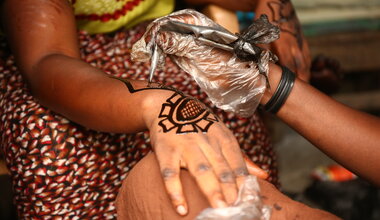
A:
[221,204]
[181,210]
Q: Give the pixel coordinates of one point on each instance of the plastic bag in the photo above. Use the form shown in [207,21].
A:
[248,206]
[231,83]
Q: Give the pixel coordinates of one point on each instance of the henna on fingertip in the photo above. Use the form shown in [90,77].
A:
[226,177]
[202,167]
[169,173]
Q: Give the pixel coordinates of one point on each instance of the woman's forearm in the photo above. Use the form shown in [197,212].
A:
[43,39]
[87,95]
[350,137]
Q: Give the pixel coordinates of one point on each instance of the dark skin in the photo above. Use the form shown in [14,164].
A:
[291,48]
[43,38]
[349,136]
[47,54]
[346,135]
[156,206]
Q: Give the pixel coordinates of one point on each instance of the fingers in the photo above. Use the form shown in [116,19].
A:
[204,174]
[156,26]
[185,18]
[306,54]
[170,168]
[292,56]
[242,165]
[284,58]
[214,160]
[253,169]
[177,44]
[232,153]
[222,170]
[302,67]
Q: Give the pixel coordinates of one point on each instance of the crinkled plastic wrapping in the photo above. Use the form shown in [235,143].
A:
[248,206]
[231,84]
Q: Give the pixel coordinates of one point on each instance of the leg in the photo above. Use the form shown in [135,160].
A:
[143,196]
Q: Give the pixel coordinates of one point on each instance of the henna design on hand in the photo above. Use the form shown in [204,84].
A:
[186,115]
[285,17]
[180,112]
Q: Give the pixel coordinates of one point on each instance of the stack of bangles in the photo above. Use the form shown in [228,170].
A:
[282,92]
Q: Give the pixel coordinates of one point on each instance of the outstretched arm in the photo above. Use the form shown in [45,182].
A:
[42,36]
[350,137]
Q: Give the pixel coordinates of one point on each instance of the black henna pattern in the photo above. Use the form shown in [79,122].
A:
[185,115]
[149,86]
[286,19]
[182,113]
[168,173]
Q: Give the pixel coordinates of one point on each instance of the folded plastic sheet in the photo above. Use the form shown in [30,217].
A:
[248,205]
[230,68]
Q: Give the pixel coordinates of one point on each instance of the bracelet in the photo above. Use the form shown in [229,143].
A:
[282,92]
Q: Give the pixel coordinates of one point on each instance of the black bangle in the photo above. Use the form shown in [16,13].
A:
[282,92]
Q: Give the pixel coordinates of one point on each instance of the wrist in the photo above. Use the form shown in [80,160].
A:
[282,92]
[274,77]
[152,104]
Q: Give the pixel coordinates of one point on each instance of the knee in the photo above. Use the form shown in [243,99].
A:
[143,194]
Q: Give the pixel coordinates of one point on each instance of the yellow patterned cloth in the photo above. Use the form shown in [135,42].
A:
[102,16]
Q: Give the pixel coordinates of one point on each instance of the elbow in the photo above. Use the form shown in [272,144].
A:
[35,77]
[40,77]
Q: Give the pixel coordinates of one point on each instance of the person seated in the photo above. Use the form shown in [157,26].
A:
[142,196]
[292,100]
[70,127]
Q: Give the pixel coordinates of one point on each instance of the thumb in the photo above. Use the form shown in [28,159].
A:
[255,170]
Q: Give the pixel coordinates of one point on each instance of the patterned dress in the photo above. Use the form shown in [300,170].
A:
[61,170]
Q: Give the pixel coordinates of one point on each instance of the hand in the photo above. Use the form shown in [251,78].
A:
[291,48]
[293,53]
[185,133]
[231,84]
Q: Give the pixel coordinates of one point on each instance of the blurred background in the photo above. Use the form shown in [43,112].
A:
[345,37]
